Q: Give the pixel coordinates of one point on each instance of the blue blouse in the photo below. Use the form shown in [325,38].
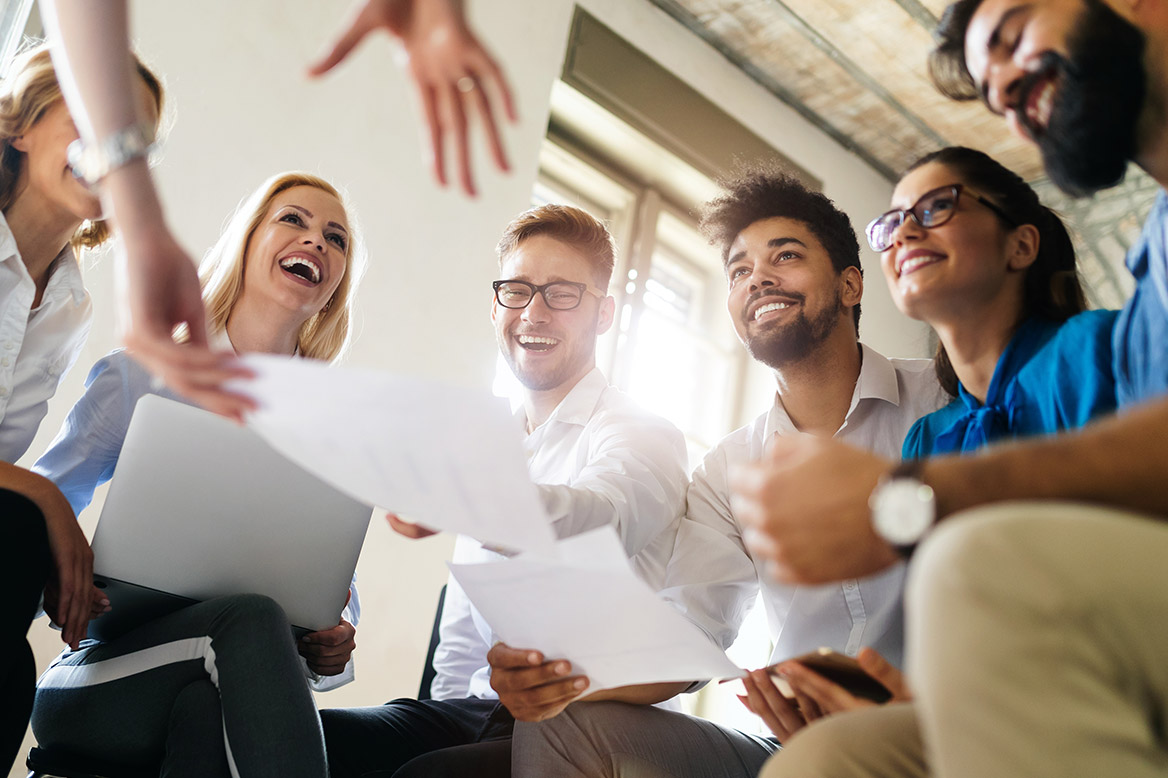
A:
[1051,377]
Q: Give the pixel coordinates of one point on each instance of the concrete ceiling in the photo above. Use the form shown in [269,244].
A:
[857,69]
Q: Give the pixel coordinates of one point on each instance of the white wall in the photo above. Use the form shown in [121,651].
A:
[244,110]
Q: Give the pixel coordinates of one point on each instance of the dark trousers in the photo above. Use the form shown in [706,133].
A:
[406,738]
[25,560]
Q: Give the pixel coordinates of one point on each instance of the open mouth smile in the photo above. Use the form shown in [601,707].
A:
[1038,101]
[769,304]
[915,260]
[302,267]
[537,342]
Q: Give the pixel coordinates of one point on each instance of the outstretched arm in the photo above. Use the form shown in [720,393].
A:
[807,500]
[158,285]
[454,74]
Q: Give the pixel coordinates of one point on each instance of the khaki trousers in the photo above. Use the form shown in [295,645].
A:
[1037,646]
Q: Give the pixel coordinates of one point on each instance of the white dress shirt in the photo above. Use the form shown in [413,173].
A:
[86,450]
[37,346]
[712,577]
[599,459]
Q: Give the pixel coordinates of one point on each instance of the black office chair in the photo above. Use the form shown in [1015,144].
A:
[428,671]
[43,763]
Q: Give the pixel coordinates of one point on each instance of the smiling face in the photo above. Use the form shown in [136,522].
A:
[296,257]
[785,296]
[548,349]
[1068,75]
[934,272]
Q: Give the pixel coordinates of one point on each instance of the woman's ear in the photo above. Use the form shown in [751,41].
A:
[19,143]
[1022,247]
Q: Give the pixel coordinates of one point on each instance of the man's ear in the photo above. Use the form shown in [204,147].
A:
[851,286]
[1022,247]
[494,309]
[605,315]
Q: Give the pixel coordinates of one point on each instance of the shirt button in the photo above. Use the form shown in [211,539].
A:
[9,345]
[850,585]
[3,391]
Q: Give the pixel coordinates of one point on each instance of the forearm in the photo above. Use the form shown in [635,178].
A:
[640,694]
[40,490]
[91,52]
[1117,462]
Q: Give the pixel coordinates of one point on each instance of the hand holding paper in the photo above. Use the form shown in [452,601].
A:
[588,607]
[447,457]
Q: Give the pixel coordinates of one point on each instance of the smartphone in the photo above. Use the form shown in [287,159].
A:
[840,669]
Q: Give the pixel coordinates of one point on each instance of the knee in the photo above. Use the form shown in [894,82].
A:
[986,557]
[829,748]
[197,703]
[256,617]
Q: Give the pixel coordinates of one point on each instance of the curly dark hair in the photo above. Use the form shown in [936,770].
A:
[763,193]
[947,67]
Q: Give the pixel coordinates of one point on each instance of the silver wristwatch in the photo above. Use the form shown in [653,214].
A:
[903,507]
[91,164]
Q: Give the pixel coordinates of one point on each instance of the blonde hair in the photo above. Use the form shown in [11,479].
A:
[571,225]
[326,334]
[26,94]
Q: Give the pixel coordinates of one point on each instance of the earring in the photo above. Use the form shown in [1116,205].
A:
[327,305]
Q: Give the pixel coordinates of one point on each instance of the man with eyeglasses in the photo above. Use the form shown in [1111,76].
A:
[598,460]
[794,286]
[1038,628]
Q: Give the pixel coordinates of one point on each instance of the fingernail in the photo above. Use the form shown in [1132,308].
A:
[561,668]
[533,658]
[580,683]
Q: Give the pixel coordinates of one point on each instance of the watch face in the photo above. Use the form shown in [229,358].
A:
[903,510]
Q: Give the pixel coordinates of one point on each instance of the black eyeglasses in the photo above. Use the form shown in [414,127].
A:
[558,295]
[933,209]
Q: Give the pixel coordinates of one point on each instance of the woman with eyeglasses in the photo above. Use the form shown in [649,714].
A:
[969,249]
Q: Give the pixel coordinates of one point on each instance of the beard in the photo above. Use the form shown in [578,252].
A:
[794,341]
[1099,94]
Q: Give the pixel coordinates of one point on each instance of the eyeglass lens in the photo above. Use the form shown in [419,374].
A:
[932,210]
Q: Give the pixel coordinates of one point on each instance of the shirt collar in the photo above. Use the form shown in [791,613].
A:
[63,270]
[877,381]
[579,404]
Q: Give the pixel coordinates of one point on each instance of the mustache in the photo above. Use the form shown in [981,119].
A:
[795,297]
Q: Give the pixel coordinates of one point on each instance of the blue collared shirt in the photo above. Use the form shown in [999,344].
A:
[1141,358]
[1052,376]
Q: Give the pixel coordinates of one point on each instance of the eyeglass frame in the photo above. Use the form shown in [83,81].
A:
[540,290]
[958,190]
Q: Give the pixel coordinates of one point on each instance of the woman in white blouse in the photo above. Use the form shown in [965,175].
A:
[48,219]
[216,688]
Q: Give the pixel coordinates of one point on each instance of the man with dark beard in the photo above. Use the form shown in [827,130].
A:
[793,269]
[598,460]
[1037,629]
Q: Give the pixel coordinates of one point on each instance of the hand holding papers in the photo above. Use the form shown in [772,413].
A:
[594,611]
[447,457]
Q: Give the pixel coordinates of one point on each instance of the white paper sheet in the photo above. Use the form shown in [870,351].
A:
[443,456]
[588,606]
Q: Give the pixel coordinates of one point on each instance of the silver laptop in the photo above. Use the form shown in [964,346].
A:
[200,507]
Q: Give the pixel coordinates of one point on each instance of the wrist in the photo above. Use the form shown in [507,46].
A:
[903,506]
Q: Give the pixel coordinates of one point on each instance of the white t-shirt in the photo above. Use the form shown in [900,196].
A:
[599,460]
[37,346]
[714,580]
